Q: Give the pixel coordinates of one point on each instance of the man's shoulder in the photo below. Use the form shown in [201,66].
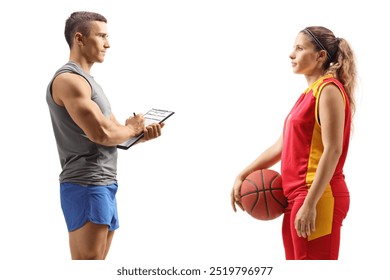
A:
[70,78]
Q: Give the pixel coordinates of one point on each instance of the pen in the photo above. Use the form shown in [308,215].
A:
[134,114]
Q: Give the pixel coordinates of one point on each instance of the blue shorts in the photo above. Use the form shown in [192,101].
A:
[96,204]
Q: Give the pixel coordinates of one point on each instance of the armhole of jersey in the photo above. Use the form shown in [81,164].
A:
[63,72]
[320,88]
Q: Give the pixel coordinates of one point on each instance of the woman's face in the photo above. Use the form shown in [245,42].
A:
[304,58]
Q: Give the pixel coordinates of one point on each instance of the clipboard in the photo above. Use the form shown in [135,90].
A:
[151,117]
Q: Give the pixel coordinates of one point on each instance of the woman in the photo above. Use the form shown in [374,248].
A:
[313,147]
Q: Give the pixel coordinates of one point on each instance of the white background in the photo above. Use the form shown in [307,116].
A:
[223,67]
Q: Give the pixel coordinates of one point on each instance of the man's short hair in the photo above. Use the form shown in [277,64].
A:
[80,22]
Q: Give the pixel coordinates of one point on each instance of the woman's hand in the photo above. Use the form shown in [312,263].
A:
[235,194]
[305,220]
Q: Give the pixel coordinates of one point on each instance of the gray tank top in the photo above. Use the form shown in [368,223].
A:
[83,161]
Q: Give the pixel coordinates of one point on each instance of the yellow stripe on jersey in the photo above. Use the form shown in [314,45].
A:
[324,208]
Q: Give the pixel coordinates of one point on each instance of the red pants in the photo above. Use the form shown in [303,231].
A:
[321,248]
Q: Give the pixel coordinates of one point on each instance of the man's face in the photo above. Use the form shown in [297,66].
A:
[96,44]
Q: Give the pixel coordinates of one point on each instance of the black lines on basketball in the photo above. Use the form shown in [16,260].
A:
[282,202]
[256,192]
[264,194]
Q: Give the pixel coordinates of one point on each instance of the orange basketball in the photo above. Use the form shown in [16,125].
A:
[262,195]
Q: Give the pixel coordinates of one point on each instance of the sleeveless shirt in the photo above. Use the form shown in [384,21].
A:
[82,161]
[303,147]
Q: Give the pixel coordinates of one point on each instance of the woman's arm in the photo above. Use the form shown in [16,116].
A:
[267,159]
[332,117]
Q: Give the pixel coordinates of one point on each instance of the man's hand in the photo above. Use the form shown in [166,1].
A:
[136,123]
[152,131]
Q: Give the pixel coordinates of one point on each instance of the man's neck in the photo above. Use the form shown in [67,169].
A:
[82,62]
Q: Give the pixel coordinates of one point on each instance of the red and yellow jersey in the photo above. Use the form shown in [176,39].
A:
[303,147]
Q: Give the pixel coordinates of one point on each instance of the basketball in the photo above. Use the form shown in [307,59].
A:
[262,195]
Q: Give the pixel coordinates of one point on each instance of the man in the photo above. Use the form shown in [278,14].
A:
[87,133]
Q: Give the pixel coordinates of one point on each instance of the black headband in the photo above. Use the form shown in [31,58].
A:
[318,42]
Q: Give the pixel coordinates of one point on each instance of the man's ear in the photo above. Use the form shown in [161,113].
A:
[79,39]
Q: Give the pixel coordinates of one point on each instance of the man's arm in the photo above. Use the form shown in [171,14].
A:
[74,93]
